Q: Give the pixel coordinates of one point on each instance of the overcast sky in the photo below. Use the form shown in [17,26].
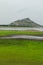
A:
[11,10]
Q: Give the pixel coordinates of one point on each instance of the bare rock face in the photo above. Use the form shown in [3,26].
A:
[26,22]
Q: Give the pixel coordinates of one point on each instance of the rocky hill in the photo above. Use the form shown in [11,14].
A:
[26,22]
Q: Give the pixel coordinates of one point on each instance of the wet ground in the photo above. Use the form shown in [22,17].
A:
[22,36]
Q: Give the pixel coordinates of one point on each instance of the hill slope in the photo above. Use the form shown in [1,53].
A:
[25,23]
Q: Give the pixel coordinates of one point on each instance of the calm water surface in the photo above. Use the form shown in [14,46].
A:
[20,28]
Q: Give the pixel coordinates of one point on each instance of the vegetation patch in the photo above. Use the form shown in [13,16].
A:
[21,52]
[10,32]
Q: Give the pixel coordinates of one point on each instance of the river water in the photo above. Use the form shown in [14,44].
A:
[20,28]
[29,37]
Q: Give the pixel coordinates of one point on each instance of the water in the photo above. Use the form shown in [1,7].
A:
[20,28]
[23,37]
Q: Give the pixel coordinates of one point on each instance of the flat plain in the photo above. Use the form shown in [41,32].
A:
[19,51]
[17,32]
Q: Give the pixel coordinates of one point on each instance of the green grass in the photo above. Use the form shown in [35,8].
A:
[21,52]
[7,32]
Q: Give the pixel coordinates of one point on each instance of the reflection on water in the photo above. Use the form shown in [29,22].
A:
[20,28]
[23,37]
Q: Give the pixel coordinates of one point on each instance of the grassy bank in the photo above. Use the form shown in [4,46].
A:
[21,52]
[7,32]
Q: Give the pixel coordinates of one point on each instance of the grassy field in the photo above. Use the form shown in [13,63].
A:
[21,52]
[7,32]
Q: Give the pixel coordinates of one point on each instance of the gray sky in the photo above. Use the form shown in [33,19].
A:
[11,10]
